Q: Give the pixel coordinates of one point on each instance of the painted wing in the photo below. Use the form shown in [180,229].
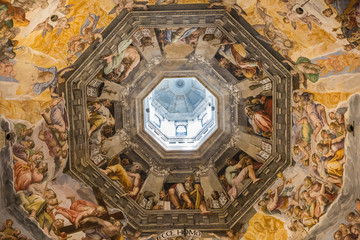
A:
[87,22]
[159,2]
[259,26]
[309,24]
[113,10]
[59,31]
[70,19]
[281,13]
[99,30]
[69,6]
[44,33]
[264,39]
[96,21]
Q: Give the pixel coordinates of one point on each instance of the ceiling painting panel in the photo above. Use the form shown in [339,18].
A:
[78,163]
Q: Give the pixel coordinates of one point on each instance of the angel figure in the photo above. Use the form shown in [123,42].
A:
[88,34]
[159,2]
[30,5]
[129,5]
[57,20]
[272,35]
[54,22]
[63,8]
[228,5]
[297,14]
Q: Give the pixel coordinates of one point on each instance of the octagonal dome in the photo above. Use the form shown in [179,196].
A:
[180,113]
[206,161]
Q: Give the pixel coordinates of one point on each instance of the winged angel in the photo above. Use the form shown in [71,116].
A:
[295,14]
[58,20]
[228,5]
[272,35]
[88,33]
[126,4]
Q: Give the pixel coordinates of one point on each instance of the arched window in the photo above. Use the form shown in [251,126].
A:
[181,130]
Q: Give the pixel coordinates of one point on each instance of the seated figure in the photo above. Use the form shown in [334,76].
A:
[236,172]
[188,196]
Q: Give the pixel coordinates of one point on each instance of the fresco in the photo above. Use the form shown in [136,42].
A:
[178,43]
[8,231]
[40,43]
[101,123]
[120,64]
[130,174]
[233,57]
[349,228]
[184,195]
[239,168]
[258,110]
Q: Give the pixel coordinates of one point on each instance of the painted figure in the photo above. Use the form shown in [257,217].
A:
[99,116]
[130,180]
[129,5]
[305,69]
[233,177]
[40,207]
[79,210]
[228,5]
[189,194]
[88,34]
[107,230]
[273,35]
[26,173]
[120,64]
[260,121]
[297,14]
[236,54]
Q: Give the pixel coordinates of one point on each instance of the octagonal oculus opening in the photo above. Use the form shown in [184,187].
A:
[180,113]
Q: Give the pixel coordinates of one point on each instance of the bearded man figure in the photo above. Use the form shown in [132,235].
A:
[189,194]
[79,210]
[130,179]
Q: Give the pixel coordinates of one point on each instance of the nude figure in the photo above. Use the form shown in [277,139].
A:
[292,16]
[107,229]
[122,65]
[80,209]
[129,5]
[273,35]
[228,5]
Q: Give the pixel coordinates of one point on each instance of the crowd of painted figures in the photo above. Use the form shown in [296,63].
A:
[8,33]
[350,230]
[15,11]
[30,166]
[350,23]
[31,171]
[40,151]
[8,232]
[319,148]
